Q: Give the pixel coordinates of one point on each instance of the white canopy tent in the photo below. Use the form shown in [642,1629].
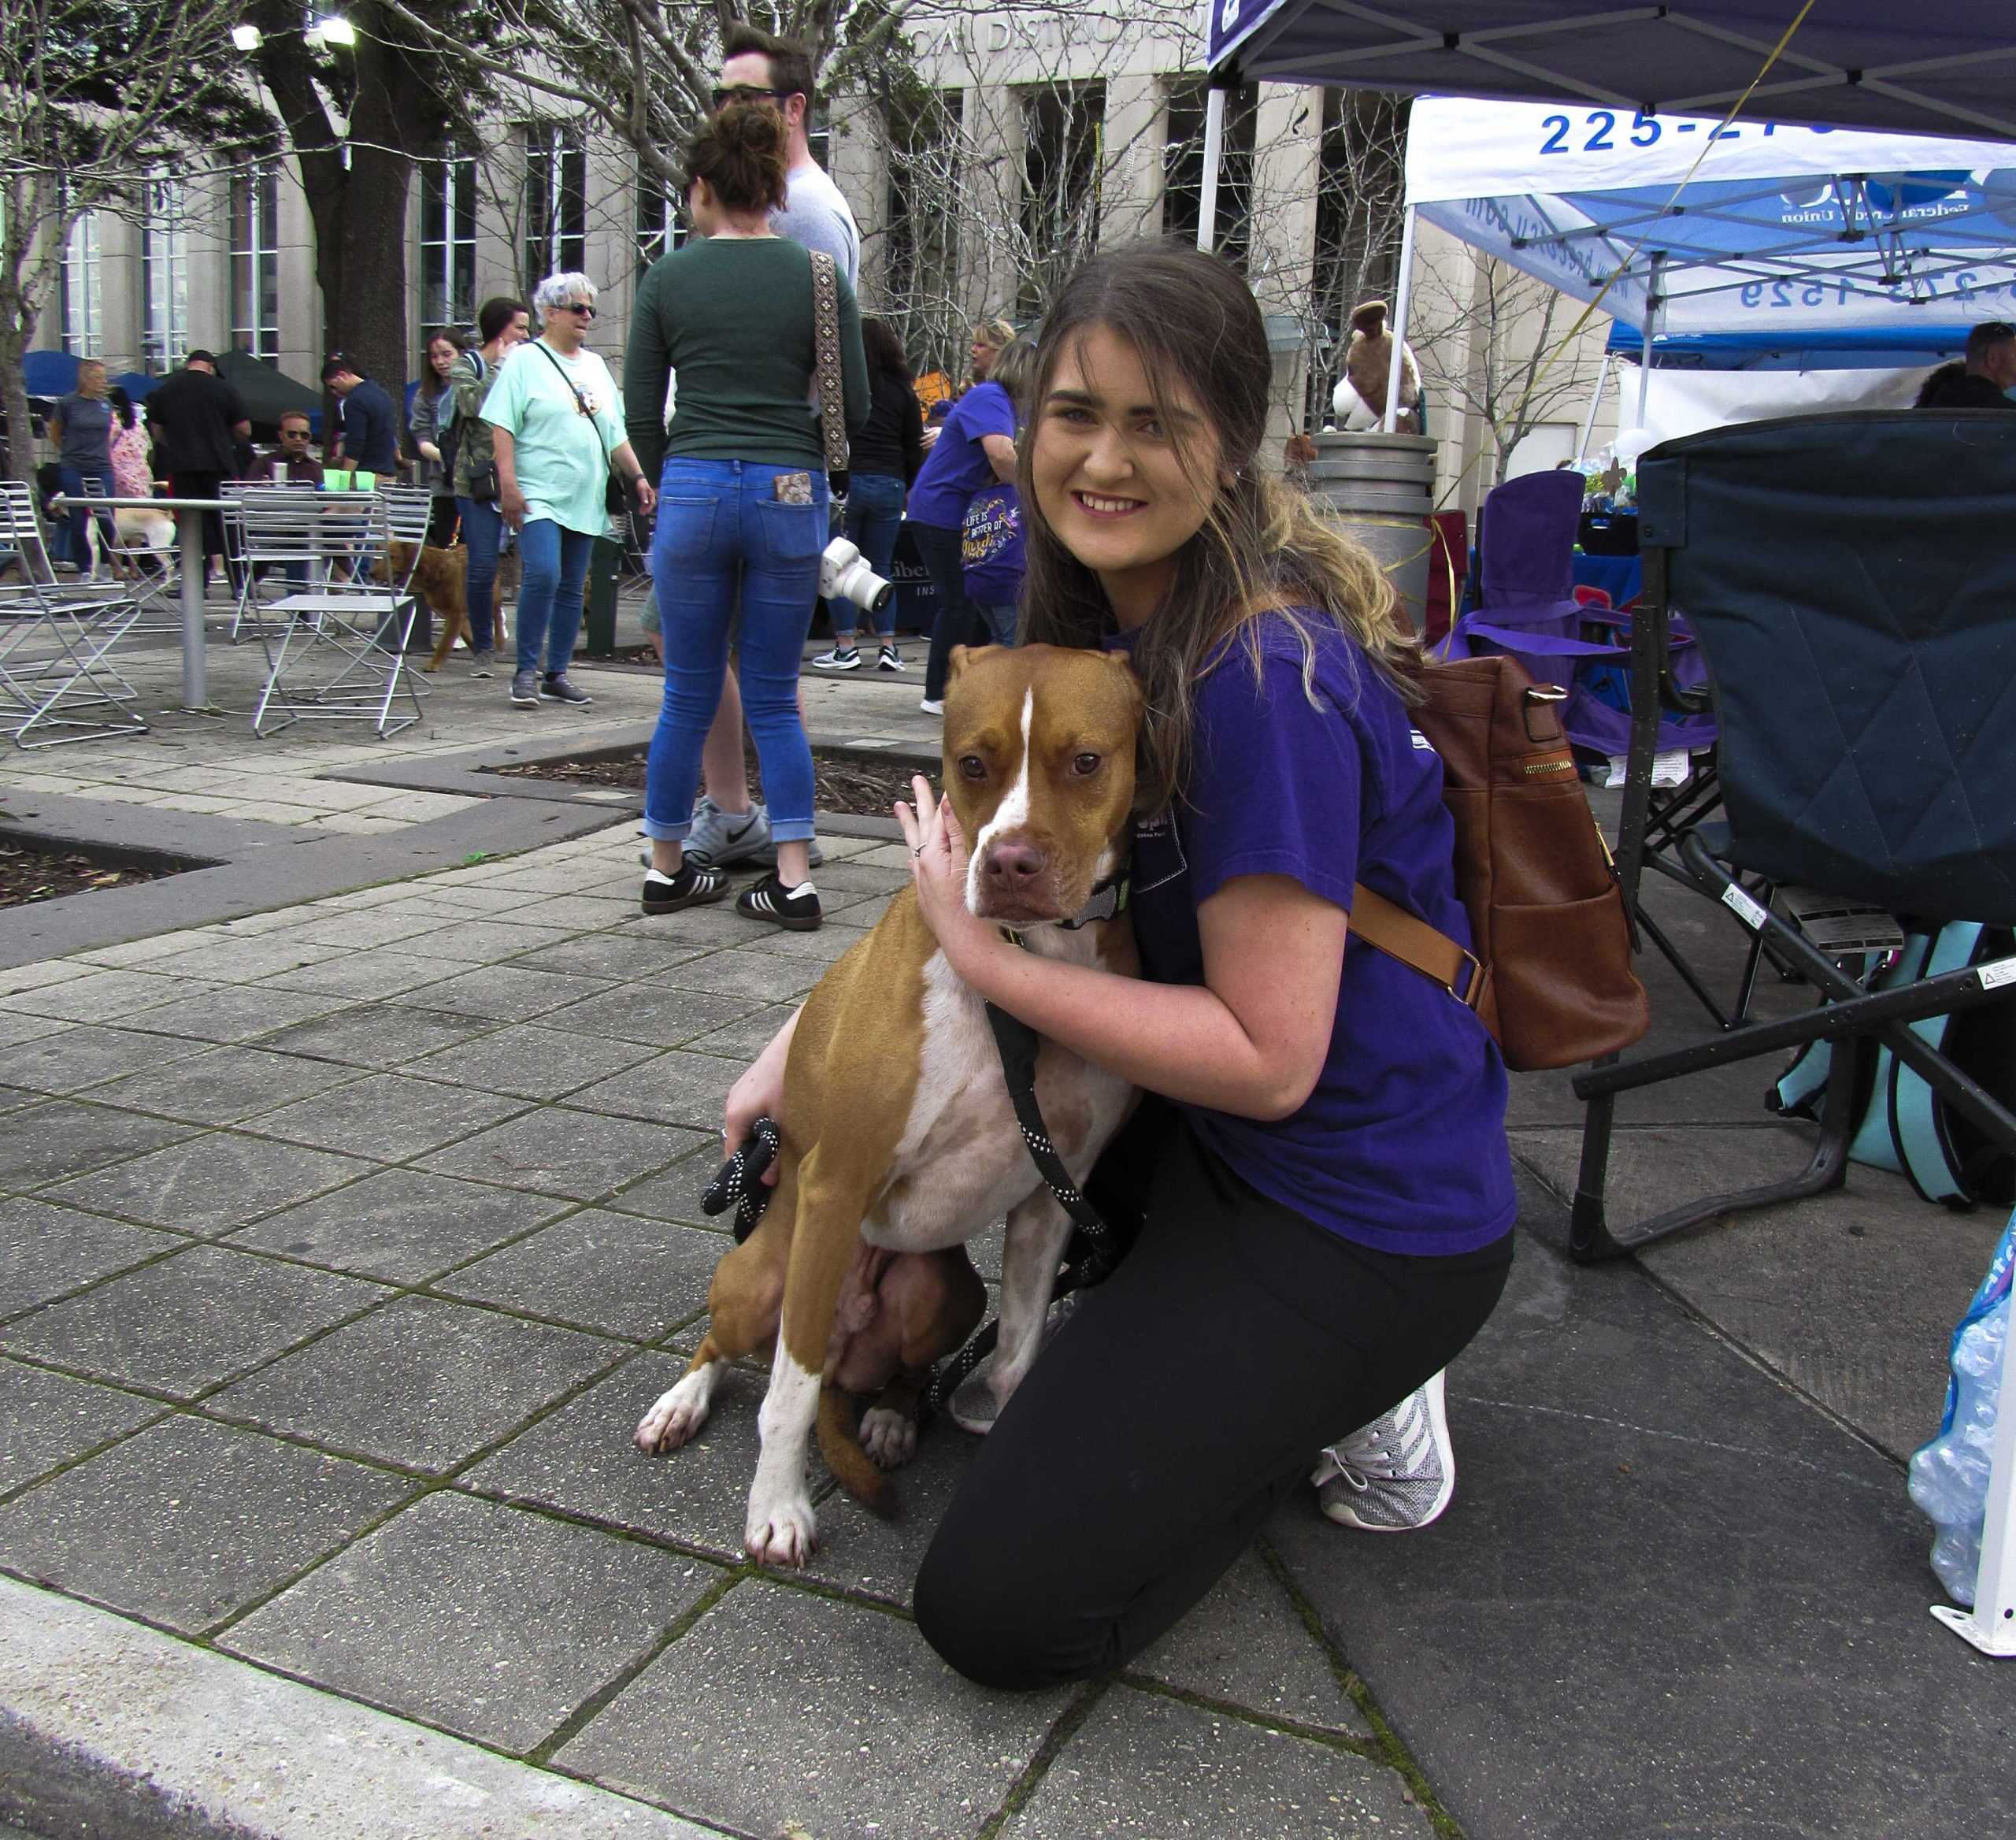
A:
[1765,234]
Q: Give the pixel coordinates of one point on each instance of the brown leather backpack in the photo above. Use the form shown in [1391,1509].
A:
[1551,976]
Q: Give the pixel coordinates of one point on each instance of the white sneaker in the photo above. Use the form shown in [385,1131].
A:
[838,659]
[932,705]
[1397,1473]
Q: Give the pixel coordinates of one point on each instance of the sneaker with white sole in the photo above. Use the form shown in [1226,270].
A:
[556,687]
[796,909]
[719,838]
[483,664]
[889,660]
[694,885]
[524,690]
[838,659]
[932,705]
[1397,1473]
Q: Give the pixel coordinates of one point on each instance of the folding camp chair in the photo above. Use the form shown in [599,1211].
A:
[1849,579]
[335,650]
[58,682]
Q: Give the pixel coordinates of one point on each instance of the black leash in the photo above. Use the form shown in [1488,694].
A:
[738,1184]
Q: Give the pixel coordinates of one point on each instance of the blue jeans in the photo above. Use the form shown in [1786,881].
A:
[76,545]
[556,565]
[482,524]
[943,553]
[998,618]
[874,515]
[717,518]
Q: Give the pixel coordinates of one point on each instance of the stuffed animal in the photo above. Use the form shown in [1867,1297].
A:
[1359,402]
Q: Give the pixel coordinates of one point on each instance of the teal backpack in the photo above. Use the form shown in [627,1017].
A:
[1905,1125]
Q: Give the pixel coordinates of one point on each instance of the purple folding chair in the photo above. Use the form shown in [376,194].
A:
[1527,607]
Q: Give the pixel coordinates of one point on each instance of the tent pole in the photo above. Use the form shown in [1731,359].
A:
[1595,402]
[1401,301]
[1214,135]
[1651,320]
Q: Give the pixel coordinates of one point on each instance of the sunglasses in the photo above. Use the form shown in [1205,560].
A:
[294,434]
[579,306]
[743,93]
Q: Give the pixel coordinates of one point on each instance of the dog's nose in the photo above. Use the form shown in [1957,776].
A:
[1013,865]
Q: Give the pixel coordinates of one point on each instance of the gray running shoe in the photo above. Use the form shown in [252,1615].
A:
[718,839]
[1397,1473]
[556,688]
[524,690]
[482,664]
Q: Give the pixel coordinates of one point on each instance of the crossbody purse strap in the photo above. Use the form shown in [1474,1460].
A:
[594,420]
[1394,931]
[826,351]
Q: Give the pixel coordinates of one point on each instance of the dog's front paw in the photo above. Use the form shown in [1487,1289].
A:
[889,1436]
[675,1418]
[785,1534]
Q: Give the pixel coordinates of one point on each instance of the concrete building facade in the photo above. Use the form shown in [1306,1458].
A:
[1037,136]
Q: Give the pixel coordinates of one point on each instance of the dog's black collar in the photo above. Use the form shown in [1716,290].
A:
[1109,901]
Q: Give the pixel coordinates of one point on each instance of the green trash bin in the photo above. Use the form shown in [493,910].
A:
[603,562]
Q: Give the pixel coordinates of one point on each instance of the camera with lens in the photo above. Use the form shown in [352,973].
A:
[845,575]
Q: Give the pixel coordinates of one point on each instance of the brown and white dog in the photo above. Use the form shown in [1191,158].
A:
[899,1140]
[441,579]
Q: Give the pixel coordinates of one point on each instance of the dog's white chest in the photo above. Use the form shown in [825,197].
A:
[961,1163]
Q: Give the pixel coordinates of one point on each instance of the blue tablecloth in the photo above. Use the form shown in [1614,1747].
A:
[1621,577]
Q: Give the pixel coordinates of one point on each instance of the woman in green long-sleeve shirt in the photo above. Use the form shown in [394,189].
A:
[742,495]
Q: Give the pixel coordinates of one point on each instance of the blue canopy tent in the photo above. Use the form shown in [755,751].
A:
[1876,348]
[49,374]
[1761,241]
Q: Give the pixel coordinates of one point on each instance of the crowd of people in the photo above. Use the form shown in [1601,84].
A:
[1321,1161]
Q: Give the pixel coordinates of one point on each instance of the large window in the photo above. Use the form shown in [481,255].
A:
[83,294]
[1182,167]
[1063,140]
[556,201]
[164,276]
[447,240]
[255,261]
[661,220]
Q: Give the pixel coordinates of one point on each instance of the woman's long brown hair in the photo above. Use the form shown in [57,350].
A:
[1263,548]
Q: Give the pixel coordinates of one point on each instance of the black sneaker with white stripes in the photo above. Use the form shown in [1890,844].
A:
[795,909]
[694,885]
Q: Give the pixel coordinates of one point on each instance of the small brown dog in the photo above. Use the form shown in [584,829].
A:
[442,581]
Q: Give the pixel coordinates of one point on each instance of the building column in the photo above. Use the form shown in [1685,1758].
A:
[1281,251]
[858,161]
[993,150]
[1136,127]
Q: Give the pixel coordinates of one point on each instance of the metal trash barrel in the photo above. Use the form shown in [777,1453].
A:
[1380,489]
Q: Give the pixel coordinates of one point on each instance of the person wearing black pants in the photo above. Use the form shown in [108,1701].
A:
[958,621]
[1181,1403]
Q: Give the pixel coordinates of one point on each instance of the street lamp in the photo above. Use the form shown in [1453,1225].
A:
[335,31]
[247,38]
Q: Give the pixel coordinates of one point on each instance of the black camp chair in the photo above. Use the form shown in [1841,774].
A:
[1851,581]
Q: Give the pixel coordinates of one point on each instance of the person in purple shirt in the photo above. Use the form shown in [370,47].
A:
[975,447]
[1319,1175]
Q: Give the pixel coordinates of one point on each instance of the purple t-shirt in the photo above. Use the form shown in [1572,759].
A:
[1402,1144]
[991,547]
[957,465]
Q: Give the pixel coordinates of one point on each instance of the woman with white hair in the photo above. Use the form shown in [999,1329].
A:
[557,423]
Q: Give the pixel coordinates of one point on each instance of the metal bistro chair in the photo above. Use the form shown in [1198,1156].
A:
[56,640]
[294,564]
[335,650]
[1849,579]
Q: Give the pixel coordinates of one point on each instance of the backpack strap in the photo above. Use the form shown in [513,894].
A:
[1397,933]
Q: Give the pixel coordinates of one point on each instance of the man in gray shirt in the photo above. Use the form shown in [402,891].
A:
[730,826]
[81,427]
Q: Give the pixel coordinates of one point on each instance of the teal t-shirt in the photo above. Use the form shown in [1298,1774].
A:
[559,456]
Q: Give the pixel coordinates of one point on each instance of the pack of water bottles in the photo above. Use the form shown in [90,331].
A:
[1949,1476]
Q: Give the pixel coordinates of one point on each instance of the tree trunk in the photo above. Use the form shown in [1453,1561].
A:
[369,314]
[14,394]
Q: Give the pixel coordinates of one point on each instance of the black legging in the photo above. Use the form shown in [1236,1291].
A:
[1185,1398]
[958,621]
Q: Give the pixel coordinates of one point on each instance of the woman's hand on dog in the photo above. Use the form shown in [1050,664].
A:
[938,870]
